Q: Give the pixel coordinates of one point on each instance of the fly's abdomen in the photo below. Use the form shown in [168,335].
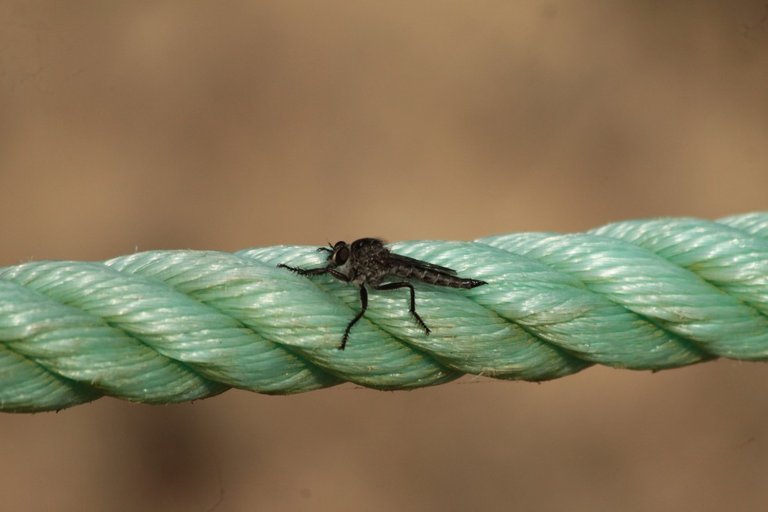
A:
[435,277]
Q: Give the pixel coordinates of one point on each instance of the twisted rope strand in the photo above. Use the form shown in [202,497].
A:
[173,326]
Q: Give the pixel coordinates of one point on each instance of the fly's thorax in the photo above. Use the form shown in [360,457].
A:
[367,268]
[373,276]
[369,261]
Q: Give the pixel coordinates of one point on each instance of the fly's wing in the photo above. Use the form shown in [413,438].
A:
[397,259]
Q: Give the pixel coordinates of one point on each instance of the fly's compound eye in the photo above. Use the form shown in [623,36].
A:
[341,255]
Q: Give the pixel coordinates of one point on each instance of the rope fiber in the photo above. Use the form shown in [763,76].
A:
[172,326]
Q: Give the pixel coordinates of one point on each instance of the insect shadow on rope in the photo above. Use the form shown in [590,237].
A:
[368,262]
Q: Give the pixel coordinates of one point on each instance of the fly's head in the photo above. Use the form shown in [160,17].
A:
[338,255]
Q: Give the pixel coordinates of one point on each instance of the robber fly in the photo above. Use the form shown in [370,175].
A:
[368,262]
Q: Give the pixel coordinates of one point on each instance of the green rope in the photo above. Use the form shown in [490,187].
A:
[172,326]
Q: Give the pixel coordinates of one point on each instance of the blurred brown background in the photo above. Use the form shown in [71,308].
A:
[224,125]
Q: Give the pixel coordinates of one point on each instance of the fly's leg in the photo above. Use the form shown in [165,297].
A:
[394,286]
[358,316]
[317,272]
[304,271]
